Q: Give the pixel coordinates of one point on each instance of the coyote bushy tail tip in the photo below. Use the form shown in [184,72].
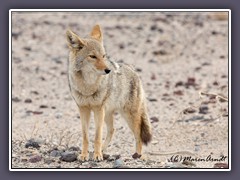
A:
[146,135]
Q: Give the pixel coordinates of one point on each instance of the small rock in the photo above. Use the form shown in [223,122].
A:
[57,60]
[206,64]
[203,110]
[37,112]
[150,162]
[43,106]
[152,99]
[221,165]
[138,69]
[175,165]
[153,77]
[24,159]
[28,101]
[16,99]
[154,142]
[179,83]
[27,48]
[48,161]
[197,148]
[198,68]
[63,73]
[117,156]
[121,46]
[35,159]
[154,119]
[58,115]
[214,32]
[179,93]
[92,164]
[190,82]
[73,148]
[118,163]
[165,94]
[32,143]
[68,156]
[160,52]
[16,34]
[35,92]
[152,61]
[215,83]
[55,153]
[189,163]
[136,156]
[106,156]
[153,27]
[189,111]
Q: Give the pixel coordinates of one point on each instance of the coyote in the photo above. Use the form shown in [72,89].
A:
[102,86]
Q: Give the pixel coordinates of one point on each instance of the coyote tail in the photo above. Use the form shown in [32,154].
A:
[145,133]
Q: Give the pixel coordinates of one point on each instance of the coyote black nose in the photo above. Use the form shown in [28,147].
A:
[107,71]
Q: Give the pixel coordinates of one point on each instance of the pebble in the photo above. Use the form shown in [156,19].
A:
[106,156]
[16,99]
[58,115]
[179,93]
[68,157]
[189,163]
[154,119]
[28,101]
[152,99]
[136,156]
[43,106]
[118,163]
[55,153]
[24,159]
[48,161]
[154,142]
[174,165]
[117,156]
[220,165]
[32,143]
[73,148]
[203,109]
[35,159]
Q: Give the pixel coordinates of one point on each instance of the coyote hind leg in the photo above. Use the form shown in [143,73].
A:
[134,123]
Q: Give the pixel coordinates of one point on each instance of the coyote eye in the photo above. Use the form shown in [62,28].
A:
[104,55]
[92,56]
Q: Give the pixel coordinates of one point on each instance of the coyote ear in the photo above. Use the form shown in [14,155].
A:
[97,33]
[74,41]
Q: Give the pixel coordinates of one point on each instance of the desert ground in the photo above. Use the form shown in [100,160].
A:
[182,60]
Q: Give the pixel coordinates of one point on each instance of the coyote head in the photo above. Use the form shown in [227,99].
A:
[88,54]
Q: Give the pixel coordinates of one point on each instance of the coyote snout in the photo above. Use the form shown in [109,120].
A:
[103,86]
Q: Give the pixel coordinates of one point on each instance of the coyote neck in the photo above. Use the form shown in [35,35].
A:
[86,83]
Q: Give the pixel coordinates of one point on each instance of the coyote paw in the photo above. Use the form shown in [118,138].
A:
[98,156]
[83,157]
[143,157]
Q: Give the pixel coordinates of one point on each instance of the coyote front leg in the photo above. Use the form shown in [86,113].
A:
[85,117]
[99,114]
[110,129]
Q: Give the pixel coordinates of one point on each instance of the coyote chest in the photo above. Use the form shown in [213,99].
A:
[98,98]
[89,95]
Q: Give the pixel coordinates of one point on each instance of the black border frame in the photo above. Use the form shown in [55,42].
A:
[148,169]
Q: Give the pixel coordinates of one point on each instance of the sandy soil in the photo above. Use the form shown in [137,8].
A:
[177,55]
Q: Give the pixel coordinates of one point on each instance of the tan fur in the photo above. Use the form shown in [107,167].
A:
[96,89]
